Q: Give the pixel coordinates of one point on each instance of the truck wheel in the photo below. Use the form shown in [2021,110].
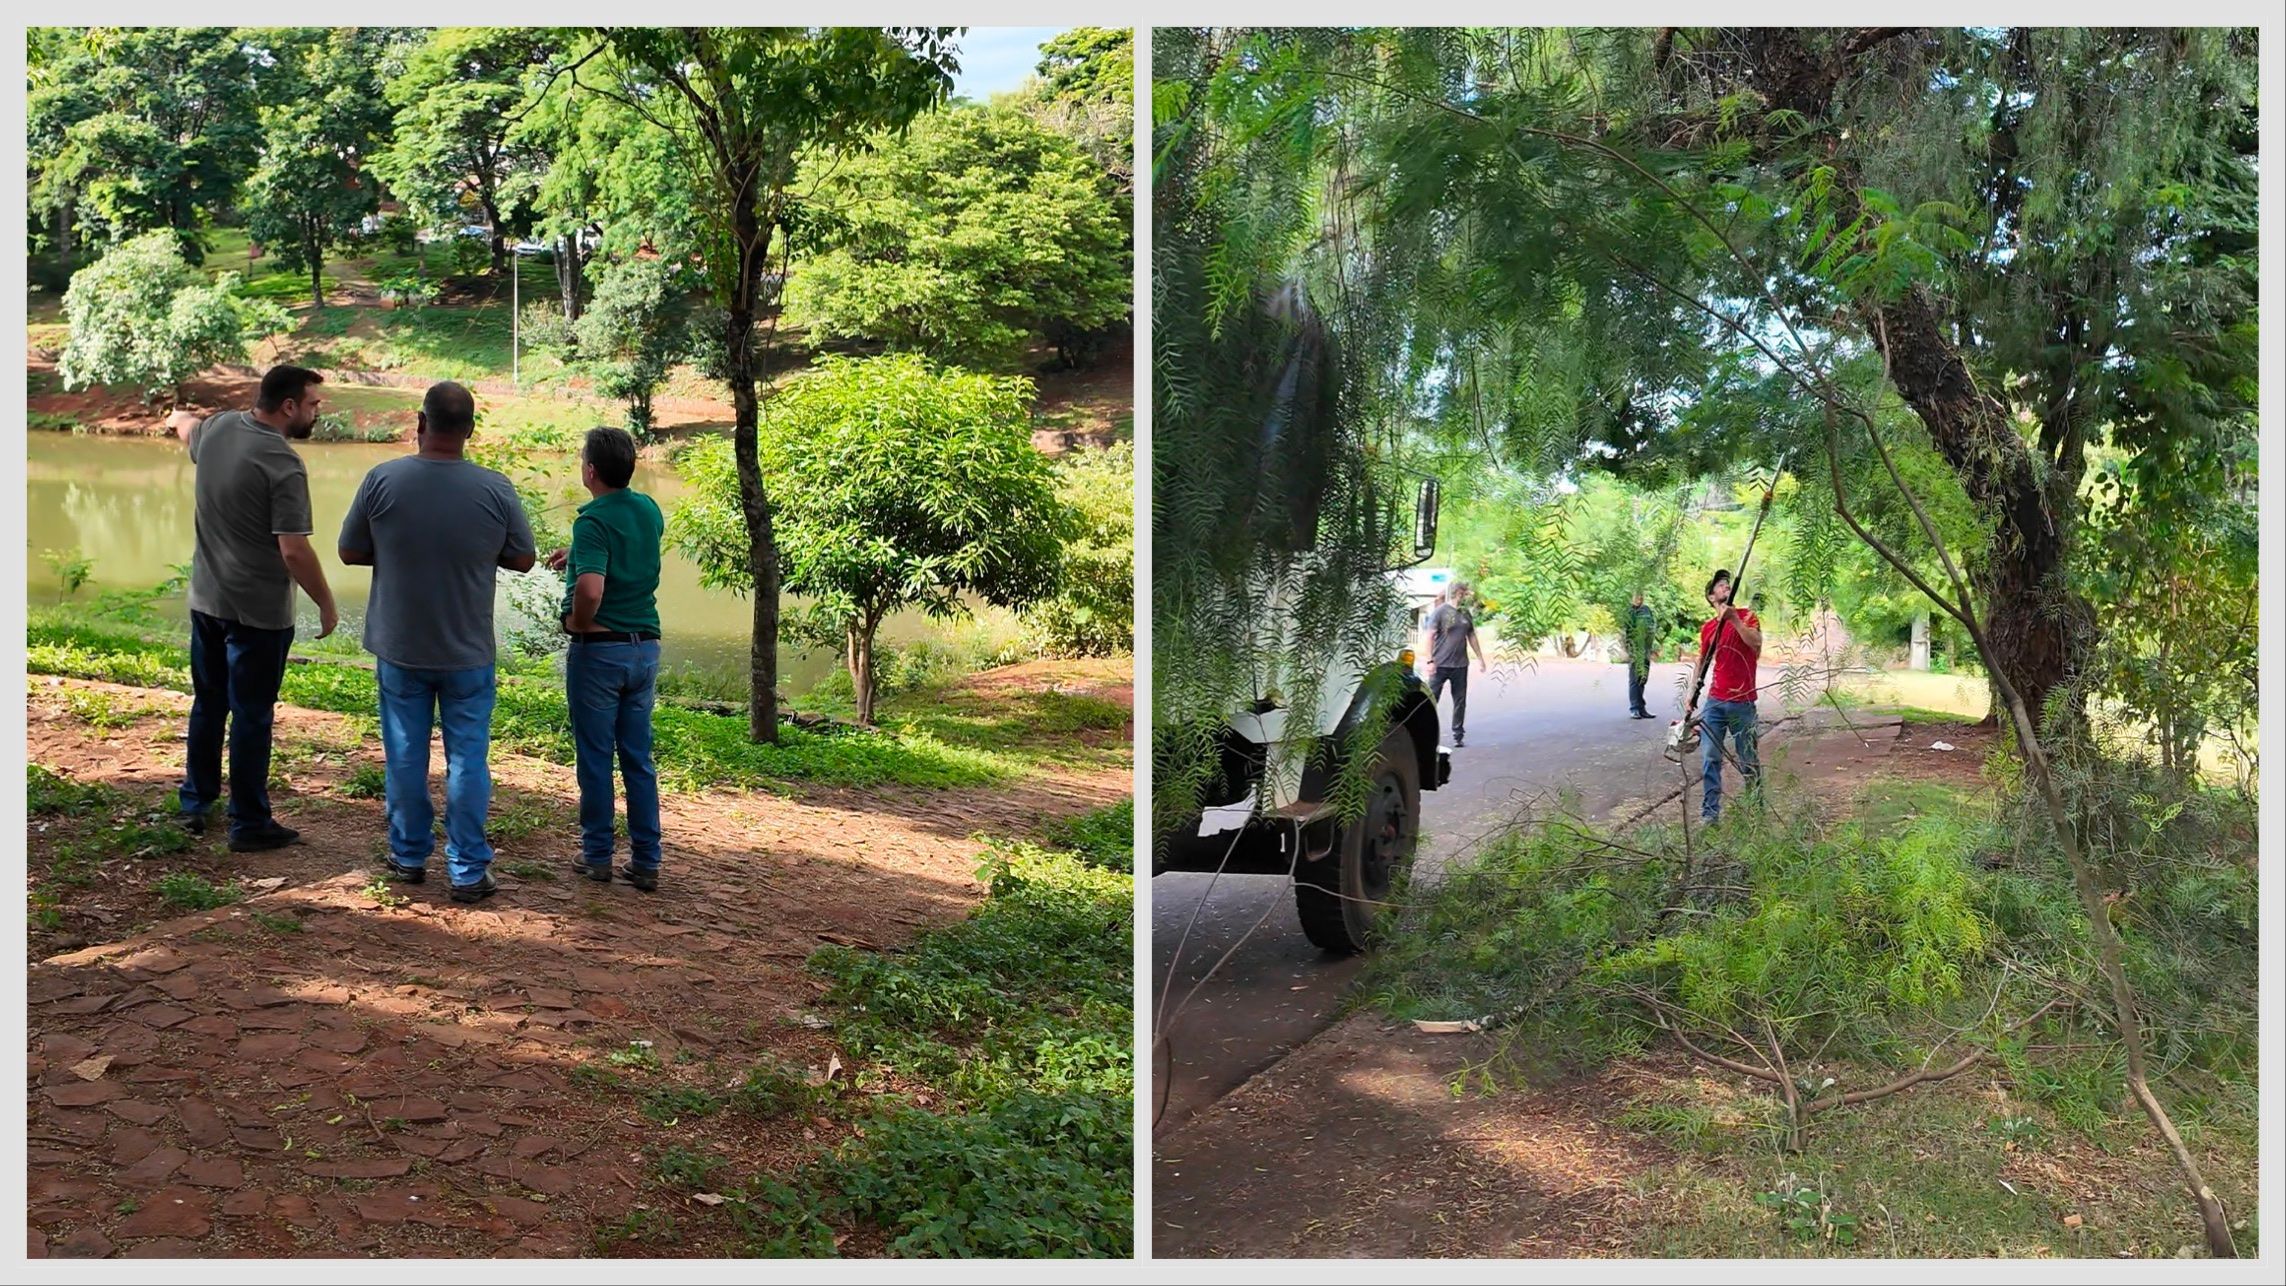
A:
[1342,895]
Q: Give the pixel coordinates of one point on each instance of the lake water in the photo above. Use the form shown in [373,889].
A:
[125,504]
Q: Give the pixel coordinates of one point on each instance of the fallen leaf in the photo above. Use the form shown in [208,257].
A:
[274,882]
[2071,1221]
[706,1198]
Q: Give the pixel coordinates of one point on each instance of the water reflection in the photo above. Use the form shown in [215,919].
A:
[126,504]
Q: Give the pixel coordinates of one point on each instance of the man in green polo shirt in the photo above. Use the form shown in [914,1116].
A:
[611,611]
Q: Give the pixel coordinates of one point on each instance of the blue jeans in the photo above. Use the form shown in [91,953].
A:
[235,671]
[1737,719]
[1638,674]
[611,688]
[413,702]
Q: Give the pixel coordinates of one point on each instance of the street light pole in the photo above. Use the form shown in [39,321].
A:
[516,318]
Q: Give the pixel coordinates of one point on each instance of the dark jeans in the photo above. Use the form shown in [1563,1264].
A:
[1457,677]
[611,688]
[1637,675]
[235,671]
[413,704]
[1737,719]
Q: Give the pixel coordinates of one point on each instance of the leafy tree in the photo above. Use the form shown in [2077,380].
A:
[615,183]
[456,154]
[900,484]
[130,129]
[1086,92]
[142,318]
[743,105]
[965,238]
[637,328]
[312,191]
[1092,612]
[1089,63]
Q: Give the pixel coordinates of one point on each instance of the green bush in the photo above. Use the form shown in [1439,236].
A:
[142,318]
[1033,992]
[1093,610]
[1033,1177]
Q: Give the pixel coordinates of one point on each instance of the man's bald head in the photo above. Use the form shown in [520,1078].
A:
[449,409]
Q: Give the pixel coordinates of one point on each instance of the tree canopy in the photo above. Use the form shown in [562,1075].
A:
[967,237]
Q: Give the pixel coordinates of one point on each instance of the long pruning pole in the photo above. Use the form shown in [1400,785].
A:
[1722,623]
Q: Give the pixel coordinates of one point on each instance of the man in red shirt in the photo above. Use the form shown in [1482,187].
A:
[1729,706]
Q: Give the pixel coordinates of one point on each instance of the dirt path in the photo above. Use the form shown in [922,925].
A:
[1356,1145]
[318,1071]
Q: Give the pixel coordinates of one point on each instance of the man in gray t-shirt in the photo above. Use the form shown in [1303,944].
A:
[251,546]
[1448,633]
[436,529]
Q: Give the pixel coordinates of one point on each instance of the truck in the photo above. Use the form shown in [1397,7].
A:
[1269,806]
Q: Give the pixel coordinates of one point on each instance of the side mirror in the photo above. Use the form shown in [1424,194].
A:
[1425,520]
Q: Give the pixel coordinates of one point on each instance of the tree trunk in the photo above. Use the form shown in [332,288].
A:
[316,256]
[861,634]
[753,498]
[2039,631]
[570,274]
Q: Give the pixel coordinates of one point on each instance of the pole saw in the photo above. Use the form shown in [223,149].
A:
[1683,734]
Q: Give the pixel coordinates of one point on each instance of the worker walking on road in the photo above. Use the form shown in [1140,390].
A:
[1448,635]
[1639,633]
[1732,644]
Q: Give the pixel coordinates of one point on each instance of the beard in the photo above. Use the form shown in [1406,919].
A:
[301,431]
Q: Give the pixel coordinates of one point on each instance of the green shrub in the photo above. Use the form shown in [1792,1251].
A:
[1035,1176]
[192,892]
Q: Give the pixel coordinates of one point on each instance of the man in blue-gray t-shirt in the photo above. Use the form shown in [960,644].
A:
[436,529]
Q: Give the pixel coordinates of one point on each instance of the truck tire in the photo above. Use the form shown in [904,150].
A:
[1341,896]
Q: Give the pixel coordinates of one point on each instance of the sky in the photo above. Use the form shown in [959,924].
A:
[993,59]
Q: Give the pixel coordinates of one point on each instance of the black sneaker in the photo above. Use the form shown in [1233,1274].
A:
[587,870]
[404,874]
[194,823]
[648,881]
[262,841]
[476,892]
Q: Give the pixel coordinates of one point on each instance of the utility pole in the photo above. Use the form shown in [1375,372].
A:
[516,317]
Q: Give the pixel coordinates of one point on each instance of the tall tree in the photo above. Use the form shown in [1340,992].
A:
[971,235]
[456,152]
[313,191]
[744,104]
[615,183]
[135,128]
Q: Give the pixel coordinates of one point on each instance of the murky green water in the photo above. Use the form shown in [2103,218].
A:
[126,504]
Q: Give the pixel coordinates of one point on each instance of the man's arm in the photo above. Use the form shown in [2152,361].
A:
[587,599]
[1748,634]
[356,543]
[302,564]
[1478,648]
[519,553]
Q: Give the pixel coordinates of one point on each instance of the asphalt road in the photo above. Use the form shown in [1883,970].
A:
[1532,733]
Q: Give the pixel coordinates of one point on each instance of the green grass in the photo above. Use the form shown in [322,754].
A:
[50,421]
[1105,837]
[48,792]
[1920,1176]
[696,750]
[1874,943]
[188,891]
[1018,1019]
[1023,1014]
